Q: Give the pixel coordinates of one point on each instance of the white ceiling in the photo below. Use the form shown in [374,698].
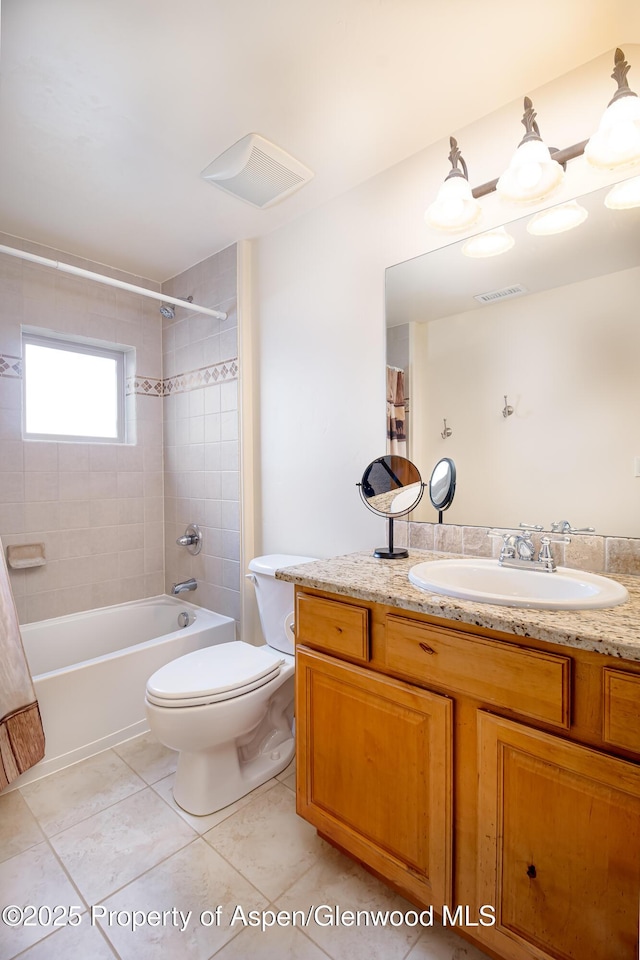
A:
[110,109]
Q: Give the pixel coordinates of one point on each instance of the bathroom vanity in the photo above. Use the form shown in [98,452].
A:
[475,757]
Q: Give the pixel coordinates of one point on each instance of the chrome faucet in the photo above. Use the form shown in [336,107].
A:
[518,551]
[517,547]
[184,586]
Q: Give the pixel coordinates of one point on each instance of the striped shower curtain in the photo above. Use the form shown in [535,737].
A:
[21,733]
[396,412]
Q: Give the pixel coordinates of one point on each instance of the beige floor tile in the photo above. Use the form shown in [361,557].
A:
[267,842]
[274,943]
[116,845]
[84,942]
[18,827]
[195,879]
[290,782]
[288,771]
[65,798]
[151,760]
[165,789]
[32,878]
[335,880]
[439,944]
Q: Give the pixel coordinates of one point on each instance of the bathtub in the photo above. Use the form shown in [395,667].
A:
[90,671]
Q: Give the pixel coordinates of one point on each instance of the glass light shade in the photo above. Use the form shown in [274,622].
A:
[566,216]
[624,196]
[489,244]
[531,174]
[455,207]
[616,143]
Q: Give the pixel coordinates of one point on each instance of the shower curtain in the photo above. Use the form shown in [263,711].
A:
[21,733]
[396,412]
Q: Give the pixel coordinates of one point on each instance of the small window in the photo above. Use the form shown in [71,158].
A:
[72,391]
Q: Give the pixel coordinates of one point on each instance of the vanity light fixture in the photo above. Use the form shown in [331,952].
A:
[617,140]
[536,170]
[488,244]
[532,173]
[558,219]
[455,207]
[624,196]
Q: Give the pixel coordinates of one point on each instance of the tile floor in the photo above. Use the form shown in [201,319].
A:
[107,834]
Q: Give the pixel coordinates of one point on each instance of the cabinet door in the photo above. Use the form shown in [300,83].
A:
[374,771]
[559,846]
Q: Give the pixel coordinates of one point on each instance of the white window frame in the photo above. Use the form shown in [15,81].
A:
[77,346]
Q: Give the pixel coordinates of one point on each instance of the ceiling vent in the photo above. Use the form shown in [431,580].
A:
[257,171]
[514,291]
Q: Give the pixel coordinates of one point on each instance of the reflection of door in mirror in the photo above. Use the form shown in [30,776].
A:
[397,391]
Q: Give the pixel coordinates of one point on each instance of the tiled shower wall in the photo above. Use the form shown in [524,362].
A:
[98,508]
[106,512]
[202,480]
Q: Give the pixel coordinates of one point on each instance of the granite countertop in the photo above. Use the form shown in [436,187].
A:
[614,631]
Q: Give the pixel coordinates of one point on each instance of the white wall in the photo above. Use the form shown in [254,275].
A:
[568,363]
[320,351]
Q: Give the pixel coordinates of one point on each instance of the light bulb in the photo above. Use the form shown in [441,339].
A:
[616,142]
[558,219]
[489,244]
[455,207]
[624,196]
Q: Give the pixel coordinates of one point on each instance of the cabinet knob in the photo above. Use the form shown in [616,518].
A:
[426,648]
[531,871]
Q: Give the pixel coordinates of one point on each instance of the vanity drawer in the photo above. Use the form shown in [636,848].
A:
[333,626]
[621,714]
[533,683]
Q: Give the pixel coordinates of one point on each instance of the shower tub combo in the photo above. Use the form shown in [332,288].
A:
[90,670]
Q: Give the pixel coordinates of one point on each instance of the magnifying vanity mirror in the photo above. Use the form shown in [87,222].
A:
[549,332]
[391,487]
[442,485]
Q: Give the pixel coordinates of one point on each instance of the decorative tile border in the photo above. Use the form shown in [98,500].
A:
[144,386]
[183,382]
[10,366]
[202,377]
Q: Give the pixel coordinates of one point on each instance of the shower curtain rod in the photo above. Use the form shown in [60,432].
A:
[109,281]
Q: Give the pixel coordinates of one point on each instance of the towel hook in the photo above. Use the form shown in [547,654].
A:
[446,432]
[507,410]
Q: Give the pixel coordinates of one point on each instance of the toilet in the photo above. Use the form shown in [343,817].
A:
[228,709]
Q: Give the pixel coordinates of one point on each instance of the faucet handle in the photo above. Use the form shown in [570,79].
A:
[531,526]
[545,557]
[563,526]
[192,539]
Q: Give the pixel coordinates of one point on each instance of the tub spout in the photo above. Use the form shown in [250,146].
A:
[184,586]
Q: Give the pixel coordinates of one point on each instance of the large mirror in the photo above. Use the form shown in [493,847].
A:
[524,368]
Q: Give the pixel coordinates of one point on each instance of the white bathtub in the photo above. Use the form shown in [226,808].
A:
[90,671]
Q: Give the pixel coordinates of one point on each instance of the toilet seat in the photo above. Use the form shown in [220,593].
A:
[213,674]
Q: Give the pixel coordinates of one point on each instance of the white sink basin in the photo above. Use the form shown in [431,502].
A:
[487,582]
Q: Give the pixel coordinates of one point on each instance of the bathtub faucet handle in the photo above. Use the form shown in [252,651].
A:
[191,539]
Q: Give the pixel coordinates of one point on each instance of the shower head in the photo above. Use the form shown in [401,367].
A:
[168,310]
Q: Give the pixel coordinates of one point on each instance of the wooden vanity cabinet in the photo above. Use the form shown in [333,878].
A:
[476,769]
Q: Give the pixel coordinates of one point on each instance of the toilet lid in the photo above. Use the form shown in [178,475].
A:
[213,673]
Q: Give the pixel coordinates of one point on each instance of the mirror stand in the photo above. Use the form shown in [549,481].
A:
[390,552]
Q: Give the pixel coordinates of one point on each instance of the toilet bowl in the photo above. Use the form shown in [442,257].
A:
[228,709]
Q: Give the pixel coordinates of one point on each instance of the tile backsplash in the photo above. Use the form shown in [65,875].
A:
[598,554]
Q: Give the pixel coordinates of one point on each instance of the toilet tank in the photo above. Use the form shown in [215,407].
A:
[275,598]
